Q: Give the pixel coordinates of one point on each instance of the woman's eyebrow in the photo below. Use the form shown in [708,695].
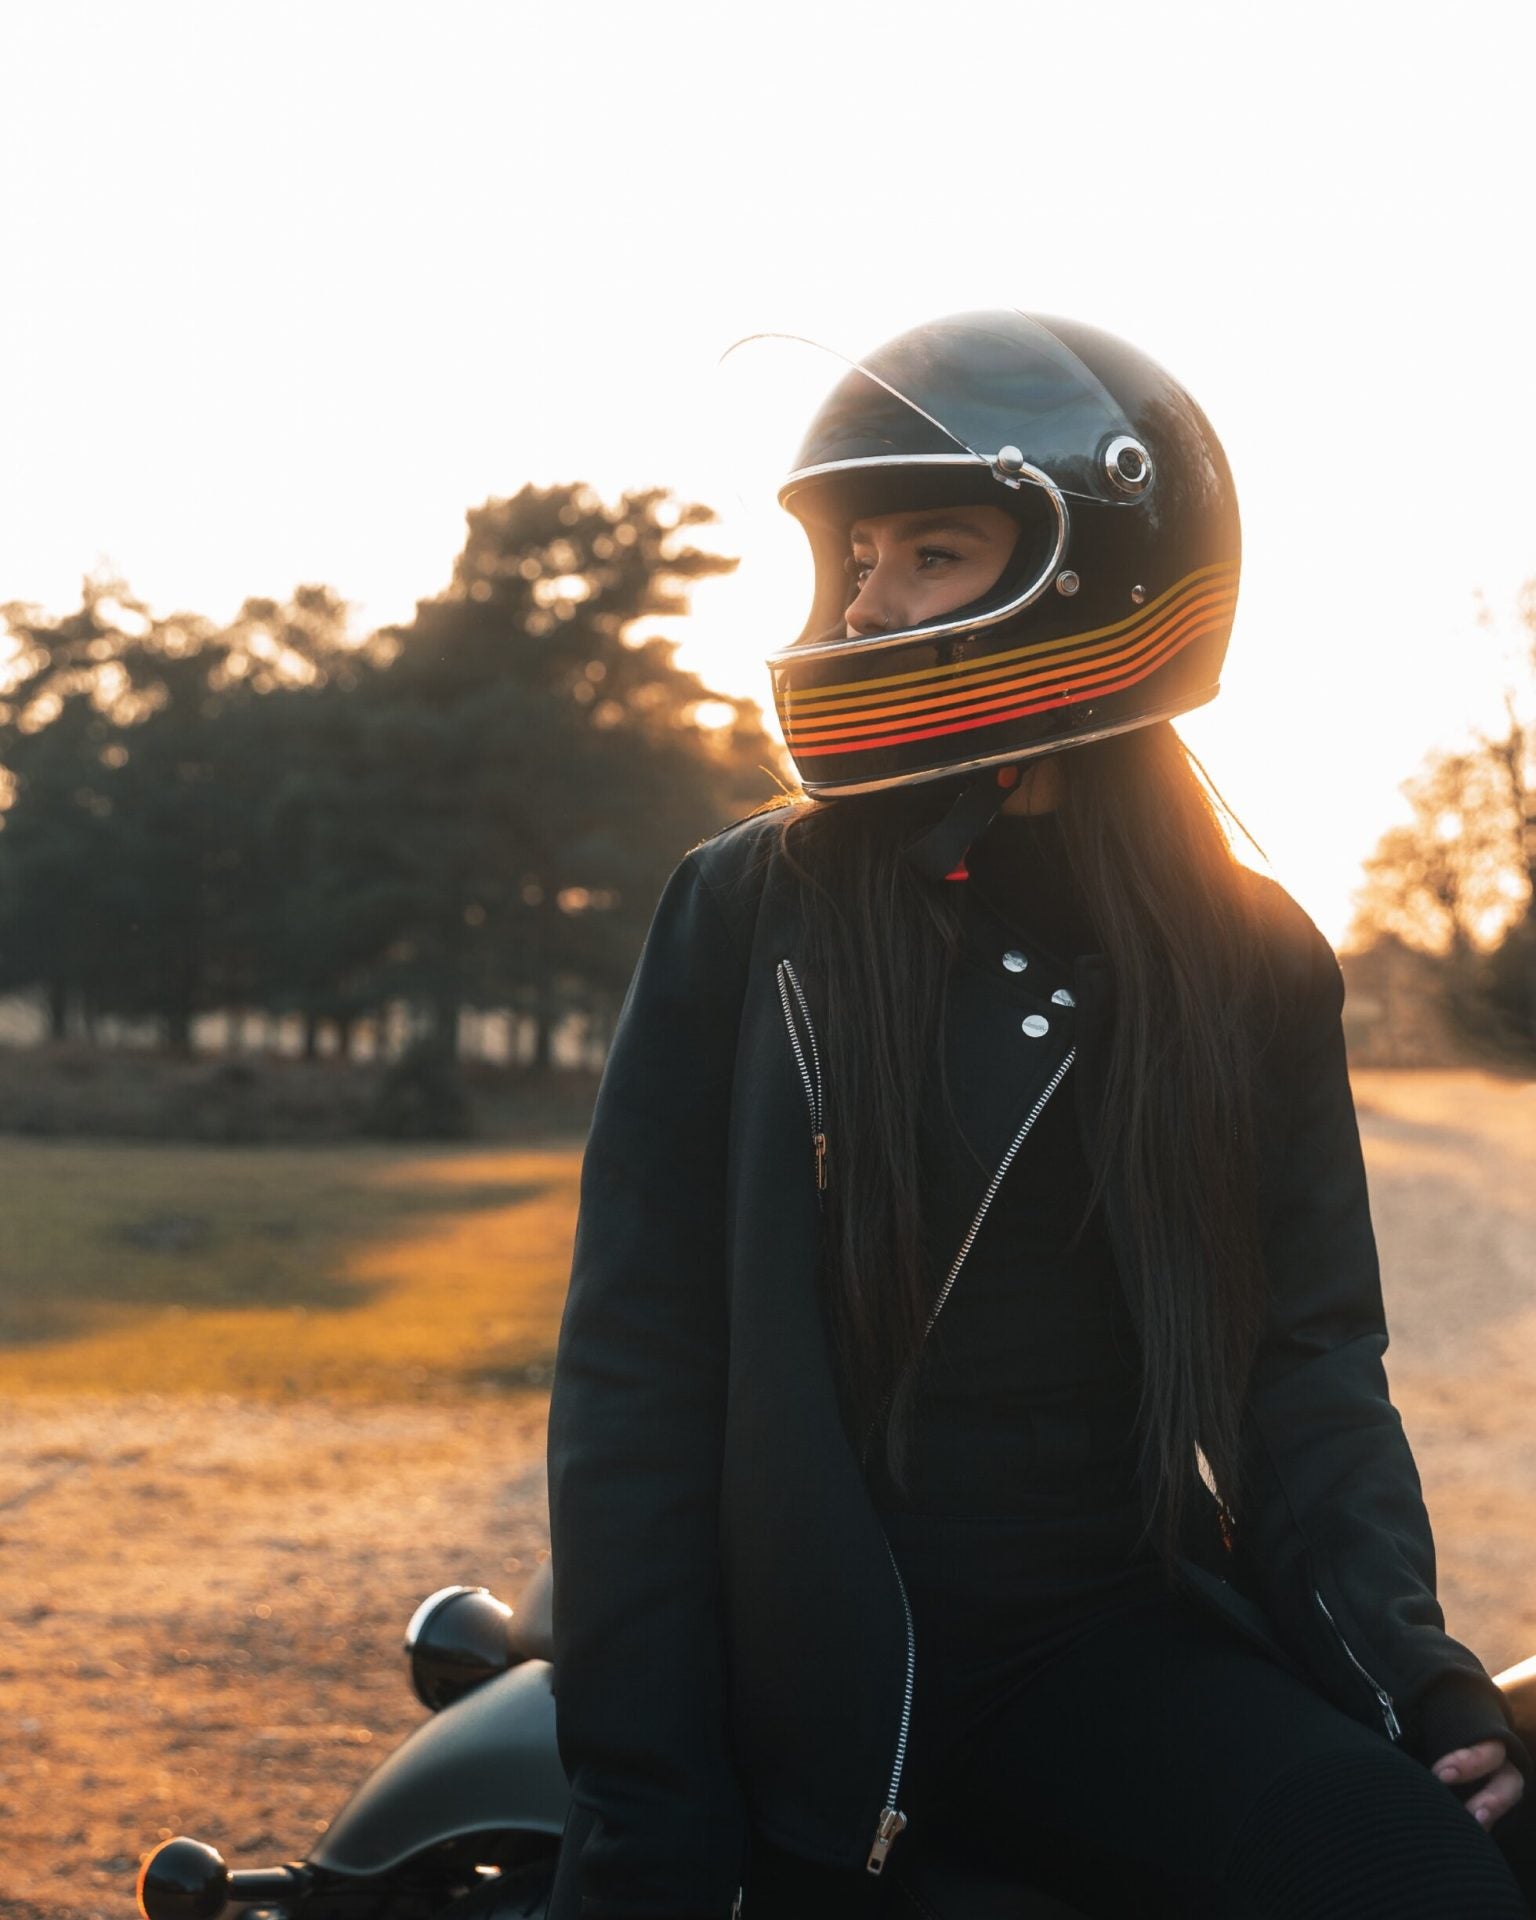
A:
[923,530]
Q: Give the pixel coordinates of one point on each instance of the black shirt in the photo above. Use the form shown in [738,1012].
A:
[1016,1523]
[1031,1371]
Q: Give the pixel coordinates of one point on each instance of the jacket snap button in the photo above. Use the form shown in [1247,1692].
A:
[1014,961]
[1035,1024]
[1064,997]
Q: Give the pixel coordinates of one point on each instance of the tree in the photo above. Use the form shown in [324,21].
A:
[532,770]
[1443,882]
[59,752]
[1511,976]
[136,876]
[1458,880]
[477,807]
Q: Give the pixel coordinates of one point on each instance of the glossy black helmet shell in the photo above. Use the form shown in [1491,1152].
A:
[1117,606]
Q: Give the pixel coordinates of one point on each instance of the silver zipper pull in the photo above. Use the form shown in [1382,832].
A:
[892,1825]
[1389,1717]
[736,1905]
[821,1163]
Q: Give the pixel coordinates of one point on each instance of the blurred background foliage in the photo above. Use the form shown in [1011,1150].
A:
[233,855]
[475,810]
[1451,889]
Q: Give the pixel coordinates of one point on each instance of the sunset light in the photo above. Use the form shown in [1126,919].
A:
[290,329]
[1001,1339]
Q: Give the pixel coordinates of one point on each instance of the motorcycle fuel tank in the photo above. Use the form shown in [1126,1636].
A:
[486,1763]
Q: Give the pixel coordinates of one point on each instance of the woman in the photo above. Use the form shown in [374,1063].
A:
[970,1453]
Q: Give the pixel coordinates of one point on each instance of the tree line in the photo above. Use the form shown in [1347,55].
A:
[1457,880]
[476,808]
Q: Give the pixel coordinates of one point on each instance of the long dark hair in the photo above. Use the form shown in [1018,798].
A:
[1176,919]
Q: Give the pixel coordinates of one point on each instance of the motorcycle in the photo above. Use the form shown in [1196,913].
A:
[463,1820]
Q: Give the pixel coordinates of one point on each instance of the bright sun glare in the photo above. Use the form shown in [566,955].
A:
[289,299]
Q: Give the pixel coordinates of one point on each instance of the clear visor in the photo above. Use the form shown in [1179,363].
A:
[984,409]
[992,392]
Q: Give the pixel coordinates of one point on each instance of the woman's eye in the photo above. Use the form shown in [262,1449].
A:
[858,571]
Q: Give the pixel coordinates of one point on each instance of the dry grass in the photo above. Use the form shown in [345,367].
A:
[71,1090]
[259,1402]
[279,1273]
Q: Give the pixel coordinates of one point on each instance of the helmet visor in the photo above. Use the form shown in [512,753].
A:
[984,409]
[996,391]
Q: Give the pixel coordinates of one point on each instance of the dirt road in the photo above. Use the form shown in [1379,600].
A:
[211,1604]
[205,1598]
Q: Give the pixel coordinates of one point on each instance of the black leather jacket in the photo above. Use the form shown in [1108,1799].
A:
[731,1637]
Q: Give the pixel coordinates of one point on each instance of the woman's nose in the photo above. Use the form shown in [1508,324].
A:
[872,609]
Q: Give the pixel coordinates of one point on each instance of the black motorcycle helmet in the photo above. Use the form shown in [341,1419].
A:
[1114,610]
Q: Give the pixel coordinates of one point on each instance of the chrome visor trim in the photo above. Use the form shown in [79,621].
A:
[846,646]
[802,474]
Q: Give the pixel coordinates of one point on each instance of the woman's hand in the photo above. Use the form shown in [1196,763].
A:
[1497,1795]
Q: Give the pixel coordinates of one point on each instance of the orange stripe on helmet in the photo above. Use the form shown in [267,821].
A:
[962,670]
[1132,663]
[917,705]
[1058,699]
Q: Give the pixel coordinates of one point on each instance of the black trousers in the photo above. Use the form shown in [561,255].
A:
[1158,1768]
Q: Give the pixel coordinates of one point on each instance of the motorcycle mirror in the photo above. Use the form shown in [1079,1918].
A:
[187,1880]
[457,1639]
[183,1880]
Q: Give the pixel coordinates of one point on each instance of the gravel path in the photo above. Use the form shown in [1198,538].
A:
[206,1604]
[205,1599]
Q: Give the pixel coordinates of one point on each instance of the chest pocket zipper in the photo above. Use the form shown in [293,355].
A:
[807,1059]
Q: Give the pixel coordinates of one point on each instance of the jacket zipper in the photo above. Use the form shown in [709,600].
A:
[997,1180]
[809,1065]
[892,1822]
[736,1904]
[1388,1712]
[981,1213]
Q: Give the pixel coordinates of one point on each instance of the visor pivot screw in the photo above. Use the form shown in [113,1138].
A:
[1010,460]
[1127,465]
[1067,582]
[1138,594]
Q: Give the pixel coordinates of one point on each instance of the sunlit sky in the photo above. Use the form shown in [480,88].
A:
[287,287]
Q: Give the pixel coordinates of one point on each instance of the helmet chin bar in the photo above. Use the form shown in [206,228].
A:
[1015,474]
[957,770]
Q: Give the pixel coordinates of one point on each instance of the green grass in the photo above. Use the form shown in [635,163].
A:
[276,1272]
